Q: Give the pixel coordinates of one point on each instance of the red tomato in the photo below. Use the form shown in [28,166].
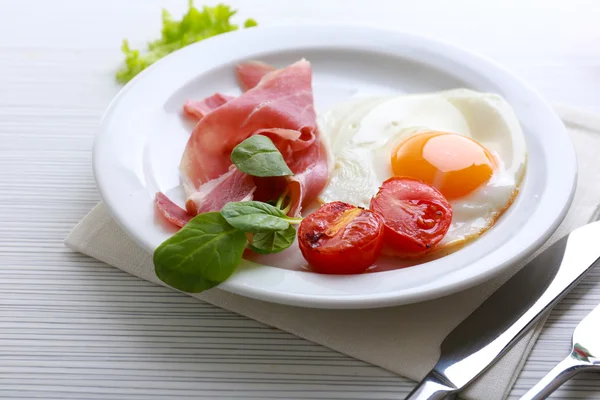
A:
[416,215]
[340,238]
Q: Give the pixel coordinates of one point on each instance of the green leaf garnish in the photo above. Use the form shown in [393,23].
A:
[249,23]
[196,25]
[256,216]
[203,254]
[258,156]
[206,251]
[273,242]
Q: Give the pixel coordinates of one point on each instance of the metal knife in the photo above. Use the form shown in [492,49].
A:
[509,312]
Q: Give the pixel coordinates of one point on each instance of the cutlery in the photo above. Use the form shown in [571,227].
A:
[585,356]
[509,312]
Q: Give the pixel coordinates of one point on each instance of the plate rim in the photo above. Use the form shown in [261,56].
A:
[366,300]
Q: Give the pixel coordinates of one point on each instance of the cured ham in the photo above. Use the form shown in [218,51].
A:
[281,107]
[198,109]
[171,211]
[277,103]
[282,100]
[308,160]
[234,185]
[251,72]
[311,175]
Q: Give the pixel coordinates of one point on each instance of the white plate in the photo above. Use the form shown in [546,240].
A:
[143,134]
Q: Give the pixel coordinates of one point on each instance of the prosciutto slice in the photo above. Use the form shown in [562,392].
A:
[248,74]
[171,211]
[282,100]
[308,160]
[251,72]
[281,107]
[311,168]
[198,109]
[277,104]
[212,196]
[234,185]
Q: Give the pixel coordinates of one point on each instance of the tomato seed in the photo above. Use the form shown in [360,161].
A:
[427,223]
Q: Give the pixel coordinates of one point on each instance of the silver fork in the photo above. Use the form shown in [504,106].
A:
[585,356]
[585,352]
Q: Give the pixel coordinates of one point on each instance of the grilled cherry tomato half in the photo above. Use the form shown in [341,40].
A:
[416,216]
[340,238]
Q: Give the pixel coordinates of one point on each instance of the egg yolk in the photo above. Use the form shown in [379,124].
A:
[453,164]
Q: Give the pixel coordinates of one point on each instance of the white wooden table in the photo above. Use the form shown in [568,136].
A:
[71,327]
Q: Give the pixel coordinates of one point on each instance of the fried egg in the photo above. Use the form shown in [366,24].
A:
[467,144]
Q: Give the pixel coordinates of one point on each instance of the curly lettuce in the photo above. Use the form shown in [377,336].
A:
[196,25]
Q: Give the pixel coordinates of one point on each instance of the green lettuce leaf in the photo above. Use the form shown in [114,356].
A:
[196,25]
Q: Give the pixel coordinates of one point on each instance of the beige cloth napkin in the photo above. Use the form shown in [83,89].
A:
[402,339]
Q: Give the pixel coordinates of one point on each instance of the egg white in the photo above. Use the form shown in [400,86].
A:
[362,134]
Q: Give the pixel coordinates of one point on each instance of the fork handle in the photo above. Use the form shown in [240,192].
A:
[561,373]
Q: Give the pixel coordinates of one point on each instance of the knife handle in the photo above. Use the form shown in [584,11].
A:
[431,388]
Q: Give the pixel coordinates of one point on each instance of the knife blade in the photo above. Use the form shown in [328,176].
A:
[508,313]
